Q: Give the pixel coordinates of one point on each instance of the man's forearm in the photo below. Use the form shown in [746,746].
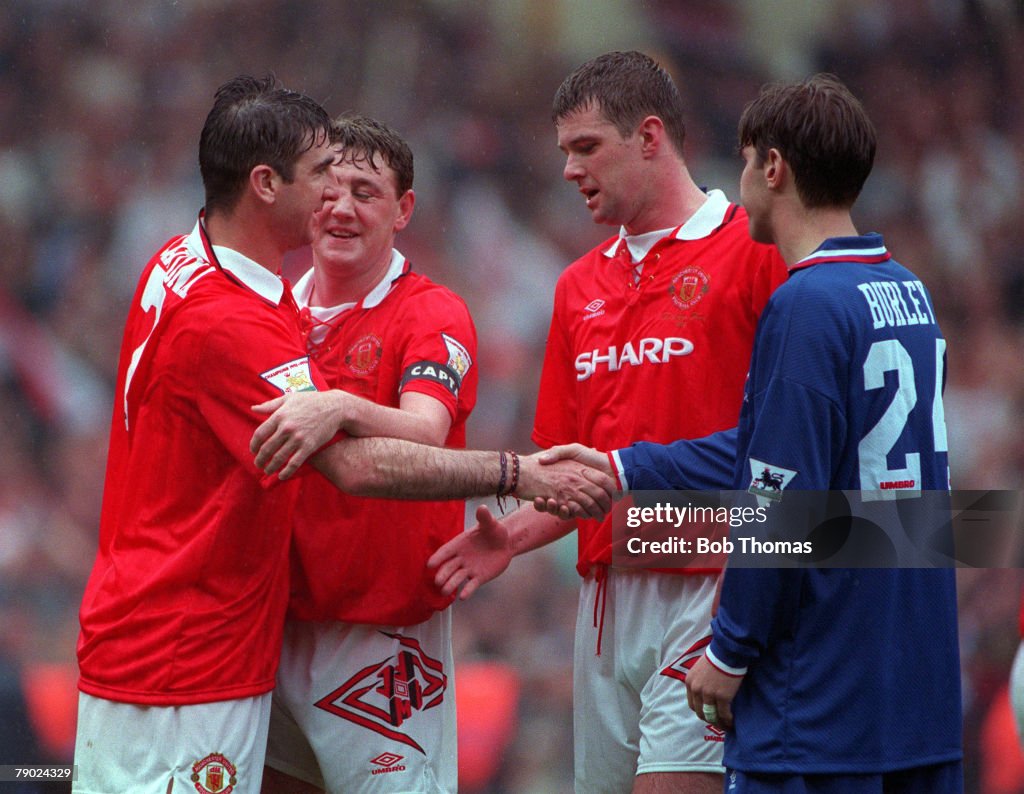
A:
[418,418]
[529,529]
[397,469]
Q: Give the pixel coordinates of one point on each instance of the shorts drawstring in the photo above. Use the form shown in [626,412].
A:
[601,598]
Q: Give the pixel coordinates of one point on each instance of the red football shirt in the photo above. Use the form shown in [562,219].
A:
[186,599]
[656,360]
[363,560]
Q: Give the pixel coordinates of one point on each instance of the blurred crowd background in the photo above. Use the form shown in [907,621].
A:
[100,112]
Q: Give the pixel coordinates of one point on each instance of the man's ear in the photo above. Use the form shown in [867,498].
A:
[263,180]
[775,169]
[405,207]
[652,135]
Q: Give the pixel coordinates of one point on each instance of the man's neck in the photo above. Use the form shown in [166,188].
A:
[672,199]
[334,287]
[800,235]
[252,240]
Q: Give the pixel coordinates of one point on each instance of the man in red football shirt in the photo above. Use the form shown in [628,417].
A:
[367,657]
[650,339]
[182,614]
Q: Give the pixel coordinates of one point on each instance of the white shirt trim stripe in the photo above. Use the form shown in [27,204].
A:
[727,669]
[845,253]
[620,471]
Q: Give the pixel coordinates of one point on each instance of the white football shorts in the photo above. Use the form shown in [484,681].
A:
[367,709]
[629,701]
[206,748]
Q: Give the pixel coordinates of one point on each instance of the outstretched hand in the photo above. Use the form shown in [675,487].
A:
[473,558]
[299,425]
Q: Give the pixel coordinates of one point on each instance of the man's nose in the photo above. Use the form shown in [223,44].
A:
[573,170]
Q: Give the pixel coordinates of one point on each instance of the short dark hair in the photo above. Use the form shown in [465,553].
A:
[822,132]
[626,87]
[363,139]
[255,122]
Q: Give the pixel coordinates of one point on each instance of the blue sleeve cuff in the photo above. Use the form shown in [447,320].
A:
[722,666]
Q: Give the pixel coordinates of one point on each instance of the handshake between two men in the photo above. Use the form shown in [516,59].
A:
[568,482]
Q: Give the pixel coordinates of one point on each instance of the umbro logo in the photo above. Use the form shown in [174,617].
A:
[593,309]
[714,734]
[387,762]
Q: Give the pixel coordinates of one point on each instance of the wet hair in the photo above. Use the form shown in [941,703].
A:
[255,121]
[626,87]
[362,139]
[821,131]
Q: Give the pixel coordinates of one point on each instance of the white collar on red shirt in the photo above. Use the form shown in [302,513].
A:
[704,221]
[303,290]
[256,277]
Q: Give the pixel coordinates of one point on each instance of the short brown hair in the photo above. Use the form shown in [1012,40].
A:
[363,139]
[821,131]
[626,87]
[255,122]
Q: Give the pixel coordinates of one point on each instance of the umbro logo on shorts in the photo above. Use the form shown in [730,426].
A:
[714,734]
[387,762]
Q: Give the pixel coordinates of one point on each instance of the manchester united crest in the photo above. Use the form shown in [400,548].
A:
[689,286]
[364,355]
[214,774]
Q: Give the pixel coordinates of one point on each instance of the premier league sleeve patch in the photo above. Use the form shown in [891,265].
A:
[768,481]
[459,359]
[293,376]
